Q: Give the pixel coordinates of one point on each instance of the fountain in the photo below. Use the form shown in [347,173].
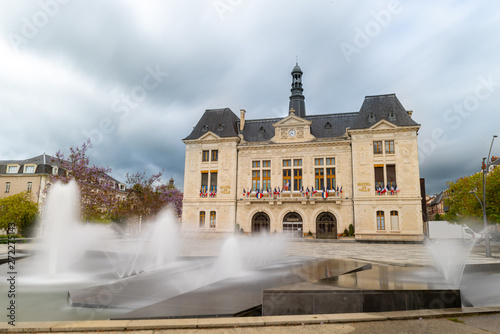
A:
[87,272]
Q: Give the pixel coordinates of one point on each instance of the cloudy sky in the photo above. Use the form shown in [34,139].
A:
[135,76]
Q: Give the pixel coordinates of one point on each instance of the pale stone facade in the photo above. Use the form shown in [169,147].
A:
[364,163]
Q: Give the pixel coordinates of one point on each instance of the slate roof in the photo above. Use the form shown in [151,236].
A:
[259,129]
[332,125]
[44,164]
[225,123]
[378,107]
[437,199]
[222,122]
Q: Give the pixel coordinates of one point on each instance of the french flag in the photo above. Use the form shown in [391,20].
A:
[325,193]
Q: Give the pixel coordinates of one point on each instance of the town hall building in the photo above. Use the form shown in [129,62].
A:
[306,174]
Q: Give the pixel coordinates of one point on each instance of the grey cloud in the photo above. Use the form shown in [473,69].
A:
[243,60]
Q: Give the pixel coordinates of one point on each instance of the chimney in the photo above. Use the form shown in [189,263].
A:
[242,119]
[410,112]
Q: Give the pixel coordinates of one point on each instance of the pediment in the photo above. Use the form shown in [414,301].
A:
[383,125]
[292,120]
[209,136]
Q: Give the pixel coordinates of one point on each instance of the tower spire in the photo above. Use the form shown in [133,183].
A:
[297,98]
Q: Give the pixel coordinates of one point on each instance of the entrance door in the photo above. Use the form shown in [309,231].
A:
[326,226]
[261,223]
[292,225]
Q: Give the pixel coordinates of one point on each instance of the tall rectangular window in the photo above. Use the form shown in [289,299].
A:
[287,179]
[266,179]
[297,179]
[389,146]
[297,162]
[391,176]
[377,147]
[255,164]
[213,181]
[379,176]
[205,155]
[319,177]
[7,187]
[30,186]
[318,162]
[287,163]
[212,219]
[266,163]
[255,180]
[204,181]
[330,178]
[202,219]
[380,220]
[215,155]
[394,221]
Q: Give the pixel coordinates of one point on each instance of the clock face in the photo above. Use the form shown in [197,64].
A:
[292,133]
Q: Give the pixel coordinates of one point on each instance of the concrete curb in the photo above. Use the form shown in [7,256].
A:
[199,323]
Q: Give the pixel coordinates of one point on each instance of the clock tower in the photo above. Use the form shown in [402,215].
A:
[297,98]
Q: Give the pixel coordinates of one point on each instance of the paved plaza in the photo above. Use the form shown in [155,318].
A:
[465,320]
[347,248]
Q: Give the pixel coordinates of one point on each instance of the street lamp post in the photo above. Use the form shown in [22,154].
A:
[486,167]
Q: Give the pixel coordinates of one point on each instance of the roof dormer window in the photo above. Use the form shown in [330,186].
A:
[328,125]
[29,169]
[220,127]
[371,117]
[392,115]
[262,130]
[12,169]
[204,128]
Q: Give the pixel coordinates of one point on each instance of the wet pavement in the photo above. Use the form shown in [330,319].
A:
[395,254]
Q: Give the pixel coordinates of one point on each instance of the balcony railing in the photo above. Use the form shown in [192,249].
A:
[288,196]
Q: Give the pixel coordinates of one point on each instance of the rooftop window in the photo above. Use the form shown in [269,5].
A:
[12,169]
[29,169]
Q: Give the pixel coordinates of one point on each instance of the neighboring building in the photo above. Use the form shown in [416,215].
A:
[365,163]
[435,205]
[171,185]
[495,162]
[32,175]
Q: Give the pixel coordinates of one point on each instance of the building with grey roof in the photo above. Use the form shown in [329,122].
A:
[32,175]
[306,175]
